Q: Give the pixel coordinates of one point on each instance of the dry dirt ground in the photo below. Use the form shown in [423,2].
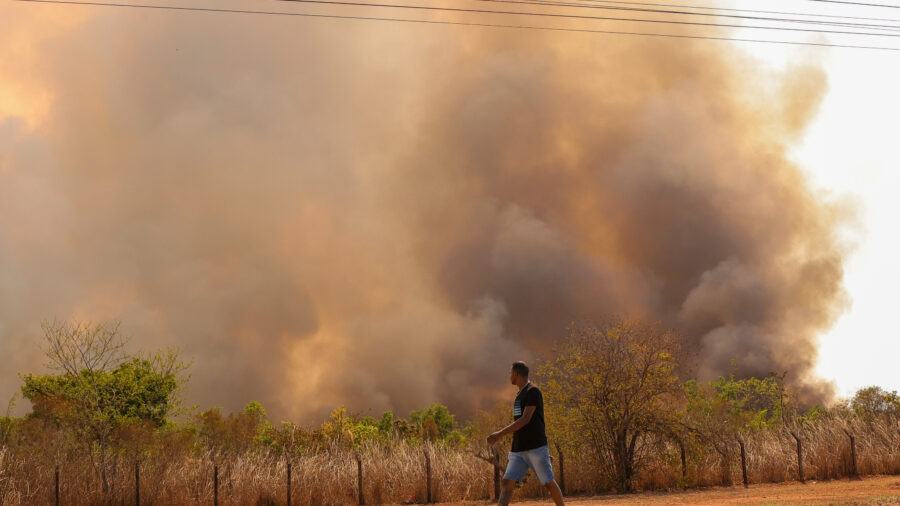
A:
[869,490]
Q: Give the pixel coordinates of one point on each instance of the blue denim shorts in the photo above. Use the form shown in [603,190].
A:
[538,460]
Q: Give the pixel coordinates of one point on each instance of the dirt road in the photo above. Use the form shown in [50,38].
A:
[869,490]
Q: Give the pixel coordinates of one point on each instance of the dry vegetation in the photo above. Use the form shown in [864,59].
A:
[392,474]
[100,427]
[172,471]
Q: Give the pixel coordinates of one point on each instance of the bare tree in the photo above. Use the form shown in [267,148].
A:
[81,346]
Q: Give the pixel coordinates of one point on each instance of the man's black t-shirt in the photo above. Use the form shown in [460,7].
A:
[532,435]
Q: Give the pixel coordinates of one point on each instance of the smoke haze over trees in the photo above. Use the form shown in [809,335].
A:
[387,219]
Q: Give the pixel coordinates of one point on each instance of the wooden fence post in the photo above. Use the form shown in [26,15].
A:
[427,477]
[215,485]
[359,478]
[799,457]
[56,485]
[854,470]
[743,463]
[137,483]
[289,483]
[496,467]
[562,469]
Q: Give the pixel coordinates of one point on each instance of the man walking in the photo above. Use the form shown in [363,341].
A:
[529,446]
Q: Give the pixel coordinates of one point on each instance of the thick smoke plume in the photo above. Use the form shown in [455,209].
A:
[326,213]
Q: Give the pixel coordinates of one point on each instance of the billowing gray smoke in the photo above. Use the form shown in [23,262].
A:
[384,216]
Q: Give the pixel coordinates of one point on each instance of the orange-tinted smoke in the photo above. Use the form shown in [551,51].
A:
[384,216]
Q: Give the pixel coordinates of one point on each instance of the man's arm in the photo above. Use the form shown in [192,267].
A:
[518,424]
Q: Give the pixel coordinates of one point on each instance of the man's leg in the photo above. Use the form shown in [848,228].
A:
[515,471]
[506,492]
[555,493]
[539,459]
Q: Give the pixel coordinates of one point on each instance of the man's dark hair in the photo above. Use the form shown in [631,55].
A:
[520,368]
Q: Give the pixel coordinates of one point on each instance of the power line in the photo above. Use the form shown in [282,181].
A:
[578,17]
[557,3]
[832,20]
[461,23]
[702,7]
[857,3]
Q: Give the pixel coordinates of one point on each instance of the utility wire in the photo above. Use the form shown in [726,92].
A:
[577,16]
[703,7]
[857,3]
[460,23]
[557,3]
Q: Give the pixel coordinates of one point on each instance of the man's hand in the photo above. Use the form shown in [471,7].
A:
[493,438]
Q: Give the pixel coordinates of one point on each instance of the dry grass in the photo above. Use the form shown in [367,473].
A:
[175,472]
[391,474]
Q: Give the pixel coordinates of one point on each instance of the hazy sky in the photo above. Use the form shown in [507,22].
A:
[325,212]
[851,150]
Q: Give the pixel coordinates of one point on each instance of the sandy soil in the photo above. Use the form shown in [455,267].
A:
[869,490]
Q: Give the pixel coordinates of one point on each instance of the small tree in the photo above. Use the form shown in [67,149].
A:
[338,429]
[98,388]
[236,433]
[875,401]
[610,386]
[721,412]
[434,422]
